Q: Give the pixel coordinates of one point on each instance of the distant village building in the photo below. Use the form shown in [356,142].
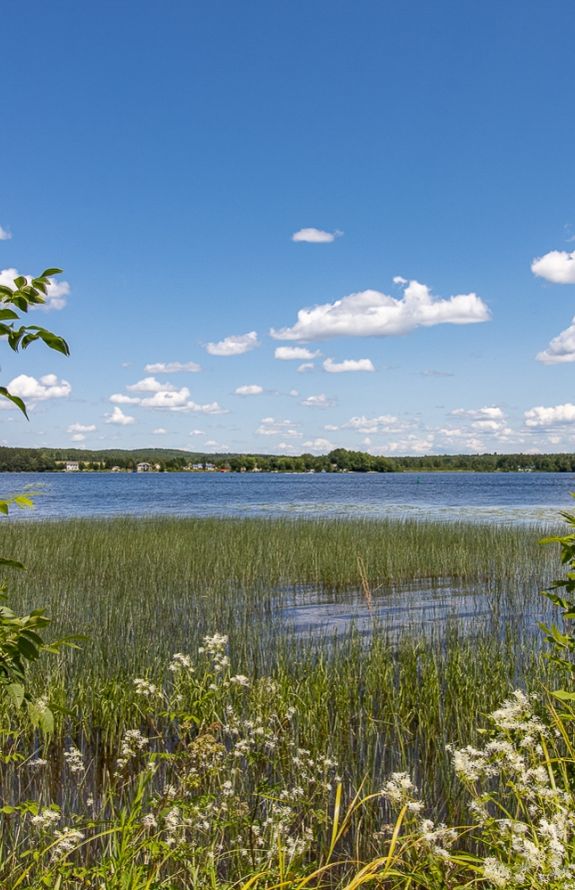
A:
[72,466]
[143,467]
[116,469]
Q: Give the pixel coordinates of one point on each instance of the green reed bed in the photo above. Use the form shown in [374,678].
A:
[142,590]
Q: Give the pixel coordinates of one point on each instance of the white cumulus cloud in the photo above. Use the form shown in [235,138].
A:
[235,344]
[561,348]
[118,398]
[319,401]
[172,400]
[252,389]
[371,313]
[316,236]
[118,417]
[306,366]
[167,398]
[348,364]
[287,353]
[57,291]
[31,389]
[557,266]
[172,367]
[541,416]
[150,384]
[159,431]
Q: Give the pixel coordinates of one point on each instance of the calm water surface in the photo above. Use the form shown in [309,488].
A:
[503,497]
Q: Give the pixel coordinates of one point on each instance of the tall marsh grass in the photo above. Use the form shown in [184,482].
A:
[375,704]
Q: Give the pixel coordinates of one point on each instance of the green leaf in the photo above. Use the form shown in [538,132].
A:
[48,272]
[20,281]
[47,721]
[7,314]
[16,693]
[12,563]
[15,400]
[28,649]
[563,695]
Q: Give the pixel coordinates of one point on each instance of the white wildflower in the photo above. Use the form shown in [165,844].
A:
[496,872]
[181,662]
[144,687]
[74,760]
[399,789]
[36,763]
[68,840]
[46,819]
[240,680]
[149,821]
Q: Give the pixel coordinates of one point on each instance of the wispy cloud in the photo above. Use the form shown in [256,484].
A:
[489,412]
[316,236]
[270,426]
[347,365]
[371,313]
[173,368]
[319,445]
[431,372]
[235,344]
[382,423]
[5,234]
[252,389]
[81,427]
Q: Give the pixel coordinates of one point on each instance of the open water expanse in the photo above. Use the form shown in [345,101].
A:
[502,497]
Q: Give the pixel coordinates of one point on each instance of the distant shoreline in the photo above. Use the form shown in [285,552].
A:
[339,460]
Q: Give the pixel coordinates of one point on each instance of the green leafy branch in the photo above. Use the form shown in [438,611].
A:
[23,295]
[21,641]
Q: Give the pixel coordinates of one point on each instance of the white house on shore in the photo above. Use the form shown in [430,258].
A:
[72,466]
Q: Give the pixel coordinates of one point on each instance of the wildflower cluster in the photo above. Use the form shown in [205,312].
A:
[534,845]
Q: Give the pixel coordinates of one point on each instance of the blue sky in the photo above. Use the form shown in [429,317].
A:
[166,156]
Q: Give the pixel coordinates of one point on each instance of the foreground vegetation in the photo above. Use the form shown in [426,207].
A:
[339,460]
[198,742]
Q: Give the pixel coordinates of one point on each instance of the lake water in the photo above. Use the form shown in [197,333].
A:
[503,497]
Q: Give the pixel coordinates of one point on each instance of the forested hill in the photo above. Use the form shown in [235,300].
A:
[339,460]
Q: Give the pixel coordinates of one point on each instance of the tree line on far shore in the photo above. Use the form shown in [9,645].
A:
[338,460]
